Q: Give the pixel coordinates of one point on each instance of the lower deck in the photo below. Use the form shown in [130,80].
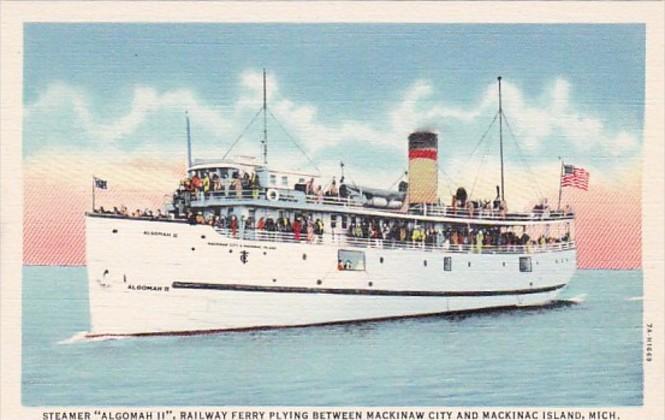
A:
[197,278]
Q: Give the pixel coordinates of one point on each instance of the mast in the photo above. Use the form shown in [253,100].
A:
[558,206]
[501,138]
[189,142]
[265,122]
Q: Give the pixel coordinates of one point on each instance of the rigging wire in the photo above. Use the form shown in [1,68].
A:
[235,142]
[450,179]
[482,138]
[521,156]
[398,179]
[295,142]
[482,162]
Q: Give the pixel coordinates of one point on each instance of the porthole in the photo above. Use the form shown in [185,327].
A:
[193,249]
[318,281]
[230,251]
[424,263]
[264,253]
[381,260]
[530,283]
[203,236]
[304,257]
[274,280]
[370,284]
[468,263]
[115,231]
[503,263]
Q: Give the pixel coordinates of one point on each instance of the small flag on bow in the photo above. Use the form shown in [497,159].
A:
[575,177]
[100,183]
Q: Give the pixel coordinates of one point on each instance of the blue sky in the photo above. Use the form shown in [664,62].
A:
[347,92]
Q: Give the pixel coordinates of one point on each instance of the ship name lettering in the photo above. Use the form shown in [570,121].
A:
[147,287]
[395,415]
[217,244]
[126,415]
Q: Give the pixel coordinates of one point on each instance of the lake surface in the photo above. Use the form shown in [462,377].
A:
[568,354]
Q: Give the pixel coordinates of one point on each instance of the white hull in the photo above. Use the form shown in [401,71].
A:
[157,277]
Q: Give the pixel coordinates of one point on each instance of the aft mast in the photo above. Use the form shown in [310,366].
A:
[501,138]
[189,142]
[265,122]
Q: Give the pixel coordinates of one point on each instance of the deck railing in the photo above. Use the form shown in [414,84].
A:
[292,196]
[343,240]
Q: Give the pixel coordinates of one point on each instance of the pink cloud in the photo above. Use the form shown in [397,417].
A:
[608,226]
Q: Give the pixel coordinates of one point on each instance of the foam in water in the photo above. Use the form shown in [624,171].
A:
[577,299]
[83,337]
[633,298]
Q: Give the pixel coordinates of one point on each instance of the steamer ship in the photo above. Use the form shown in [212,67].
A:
[245,246]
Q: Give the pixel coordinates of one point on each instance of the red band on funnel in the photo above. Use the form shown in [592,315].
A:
[422,154]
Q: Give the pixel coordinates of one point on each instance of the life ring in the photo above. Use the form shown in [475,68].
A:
[272,195]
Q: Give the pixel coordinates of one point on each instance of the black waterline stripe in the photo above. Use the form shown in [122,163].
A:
[282,289]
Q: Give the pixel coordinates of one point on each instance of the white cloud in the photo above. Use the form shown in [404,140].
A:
[537,122]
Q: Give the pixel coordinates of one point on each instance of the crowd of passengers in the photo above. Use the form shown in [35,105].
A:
[247,185]
[377,232]
[125,212]
[243,185]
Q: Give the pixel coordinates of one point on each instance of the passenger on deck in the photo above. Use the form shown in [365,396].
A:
[196,183]
[479,241]
[237,185]
[246,184]
[205,184]
[254,183]
[333,191]
[191,219]
[309,187]
[340,265]
[310,231]
[297,228]
[261,224]
[225,185]
[234,226]
[216,183]
[270,225]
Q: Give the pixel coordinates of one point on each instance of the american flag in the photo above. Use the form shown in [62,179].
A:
[575,177]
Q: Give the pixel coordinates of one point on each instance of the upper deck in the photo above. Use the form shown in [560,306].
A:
[288,199]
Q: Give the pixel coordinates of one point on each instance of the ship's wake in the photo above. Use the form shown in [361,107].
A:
[575,299]
[84,337]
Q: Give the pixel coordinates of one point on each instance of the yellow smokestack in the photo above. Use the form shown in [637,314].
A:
[423,170]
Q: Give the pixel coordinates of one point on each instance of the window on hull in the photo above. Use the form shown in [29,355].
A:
[351,260]
[525,264]
[447,263]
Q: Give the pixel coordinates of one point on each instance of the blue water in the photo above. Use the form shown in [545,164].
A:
[584,354]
